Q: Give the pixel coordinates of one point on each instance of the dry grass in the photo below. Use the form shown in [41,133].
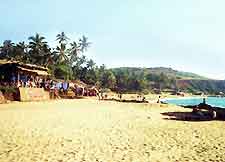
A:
[91,130]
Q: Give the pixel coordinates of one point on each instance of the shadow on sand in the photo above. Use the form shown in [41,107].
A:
[189,116]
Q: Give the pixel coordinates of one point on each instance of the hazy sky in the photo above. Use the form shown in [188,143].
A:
[186,35]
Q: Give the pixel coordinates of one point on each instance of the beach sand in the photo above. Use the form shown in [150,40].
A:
[104,131]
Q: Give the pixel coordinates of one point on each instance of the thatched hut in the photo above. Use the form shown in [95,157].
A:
[14,70]
[14,73]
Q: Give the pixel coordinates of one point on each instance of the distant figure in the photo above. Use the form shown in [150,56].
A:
[59,85]
[120,96]
[42,84]
[204,101]
[139,97]
[52,90]
[99,97]
[159,99]
[143,99]
[65,87]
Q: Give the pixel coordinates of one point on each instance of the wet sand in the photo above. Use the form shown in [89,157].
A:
[104,131]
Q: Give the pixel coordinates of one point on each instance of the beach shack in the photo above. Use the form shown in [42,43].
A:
[25,78]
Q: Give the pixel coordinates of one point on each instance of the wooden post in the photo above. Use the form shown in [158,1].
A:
[18,76]
[18,79]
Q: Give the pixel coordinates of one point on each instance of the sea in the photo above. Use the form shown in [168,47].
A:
[213,101]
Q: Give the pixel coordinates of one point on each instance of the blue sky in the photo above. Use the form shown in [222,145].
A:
[186,35]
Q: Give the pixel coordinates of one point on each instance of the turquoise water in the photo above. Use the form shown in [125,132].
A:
[213,101]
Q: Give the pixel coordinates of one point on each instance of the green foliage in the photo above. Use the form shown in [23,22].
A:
[67,61]
[174,73]
[64,61]
[62,71]
[7,89]
[152,79]
[106,77]
[187,75]
[202,86]
[141,80]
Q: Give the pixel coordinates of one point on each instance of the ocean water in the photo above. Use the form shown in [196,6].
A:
[213,101]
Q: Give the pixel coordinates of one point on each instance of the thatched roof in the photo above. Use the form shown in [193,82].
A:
[4,62]
[33,66]
[38,72]
[30,68]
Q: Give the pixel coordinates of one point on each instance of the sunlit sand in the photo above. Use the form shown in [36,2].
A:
[91,130]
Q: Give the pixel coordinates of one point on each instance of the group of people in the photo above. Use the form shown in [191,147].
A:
[36,82]
[29,81]
[53,86]
[32,83]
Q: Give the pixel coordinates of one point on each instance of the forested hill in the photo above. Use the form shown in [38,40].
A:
[162,79]
[171,73]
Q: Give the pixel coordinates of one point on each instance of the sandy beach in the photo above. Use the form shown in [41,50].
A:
[89,130]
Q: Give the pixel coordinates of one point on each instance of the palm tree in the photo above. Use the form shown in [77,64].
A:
[61,53]
[73,52]
[36,42]
[48,58]
[81,61]
[37,45]
[21,51]
[90,64]
[84,44]
[7,50]
[22,46]
[62,38]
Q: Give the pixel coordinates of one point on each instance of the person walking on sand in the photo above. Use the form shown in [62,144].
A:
[120,96]
[143,99]
[159,99]
[204,101]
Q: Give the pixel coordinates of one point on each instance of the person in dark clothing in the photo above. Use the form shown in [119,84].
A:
[42,85]
[204,101]
[159,99]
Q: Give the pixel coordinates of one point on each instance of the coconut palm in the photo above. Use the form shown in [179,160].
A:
[84,44]
[22,46]
[62,38]
[48,57]
[61,53]
[7,50]
[21,51]
[36,42]
[90,64]
[73,52]
[37,45]
[74,48]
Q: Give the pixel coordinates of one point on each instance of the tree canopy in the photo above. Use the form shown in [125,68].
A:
[68,61]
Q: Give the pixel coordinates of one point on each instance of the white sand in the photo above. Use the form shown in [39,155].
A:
[91,130]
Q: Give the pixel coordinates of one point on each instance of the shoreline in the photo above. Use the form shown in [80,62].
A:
[180,98]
